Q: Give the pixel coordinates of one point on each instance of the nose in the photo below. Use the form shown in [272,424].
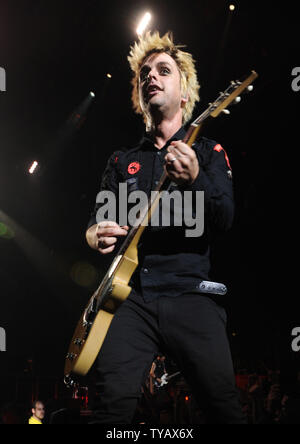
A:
[150,76]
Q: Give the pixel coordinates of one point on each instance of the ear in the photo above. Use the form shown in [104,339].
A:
[184,99]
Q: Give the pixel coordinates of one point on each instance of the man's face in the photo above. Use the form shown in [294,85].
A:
[39,411]
[159,84]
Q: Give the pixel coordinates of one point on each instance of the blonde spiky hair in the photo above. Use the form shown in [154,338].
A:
[153,43]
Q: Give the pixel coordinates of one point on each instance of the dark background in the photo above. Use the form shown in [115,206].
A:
[54,54]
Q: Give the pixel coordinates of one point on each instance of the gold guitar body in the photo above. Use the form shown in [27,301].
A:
[93,325]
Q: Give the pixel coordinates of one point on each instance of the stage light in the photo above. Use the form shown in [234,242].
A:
[33,167]
[232,7]
[143,23]
[92,94]
[109,75]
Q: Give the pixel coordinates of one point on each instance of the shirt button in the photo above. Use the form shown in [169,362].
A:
[145,270]
[156,182]
[158,153]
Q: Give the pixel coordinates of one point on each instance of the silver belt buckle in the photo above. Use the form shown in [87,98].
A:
[212,288]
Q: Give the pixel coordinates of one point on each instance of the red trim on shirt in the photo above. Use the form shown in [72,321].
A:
[219,148]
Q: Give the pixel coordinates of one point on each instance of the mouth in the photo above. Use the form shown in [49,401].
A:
[152,90]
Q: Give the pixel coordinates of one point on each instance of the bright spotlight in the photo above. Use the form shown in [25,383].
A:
[33,167]
[143,23]
[92,94]
[232,7]
[109,75]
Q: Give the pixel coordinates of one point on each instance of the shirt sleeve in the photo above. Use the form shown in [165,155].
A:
[215,179]
[109,182]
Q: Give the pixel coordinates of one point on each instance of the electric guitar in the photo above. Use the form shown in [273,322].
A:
[95,321]
[164,380]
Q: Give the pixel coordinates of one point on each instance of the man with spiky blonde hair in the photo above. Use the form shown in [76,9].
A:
[153,43]
[173,307]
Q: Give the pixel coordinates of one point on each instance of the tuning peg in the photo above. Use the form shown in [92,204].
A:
[226,111]
[250,88]
[237,100]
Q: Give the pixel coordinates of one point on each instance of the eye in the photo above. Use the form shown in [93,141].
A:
[165,70]
[143,76]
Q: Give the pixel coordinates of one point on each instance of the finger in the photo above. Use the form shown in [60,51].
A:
[183,148]
[173,163]
[177,174]
[184,160]
[106,250]
[175,151]
[107,223]
[171,158]
[105,242]
[174,168]
[111,231]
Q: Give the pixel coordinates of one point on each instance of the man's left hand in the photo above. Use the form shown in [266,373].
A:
[185,168]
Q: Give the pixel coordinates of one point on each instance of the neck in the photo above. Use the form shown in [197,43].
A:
[165,128]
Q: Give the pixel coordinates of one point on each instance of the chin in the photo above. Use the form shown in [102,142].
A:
[155,103]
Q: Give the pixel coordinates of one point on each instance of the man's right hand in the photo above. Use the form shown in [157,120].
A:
[103,236]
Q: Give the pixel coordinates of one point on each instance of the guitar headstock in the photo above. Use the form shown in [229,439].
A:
[232,95]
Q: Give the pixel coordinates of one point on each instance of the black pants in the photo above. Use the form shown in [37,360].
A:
[191,329]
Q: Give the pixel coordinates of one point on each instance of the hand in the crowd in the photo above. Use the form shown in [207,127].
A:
[106,235]
[185,168]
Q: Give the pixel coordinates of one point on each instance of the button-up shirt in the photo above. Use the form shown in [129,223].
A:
[169,261]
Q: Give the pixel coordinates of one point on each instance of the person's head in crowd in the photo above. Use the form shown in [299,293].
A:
[38,412]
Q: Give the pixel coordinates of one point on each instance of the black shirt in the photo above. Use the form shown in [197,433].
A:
[169,262]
